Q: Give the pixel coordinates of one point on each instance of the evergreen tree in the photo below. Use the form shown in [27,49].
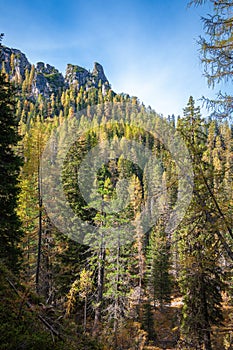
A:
[10,233]
[159,278]
[193,130]
[148,322]
[200,275]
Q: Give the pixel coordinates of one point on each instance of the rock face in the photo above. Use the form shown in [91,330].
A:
[46,79]
[76,75]
[18,58]
[98,73]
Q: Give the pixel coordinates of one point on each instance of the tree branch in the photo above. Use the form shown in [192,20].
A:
[30,306]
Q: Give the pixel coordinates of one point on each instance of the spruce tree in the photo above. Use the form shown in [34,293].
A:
[201,275]
[10,232]
[159,278]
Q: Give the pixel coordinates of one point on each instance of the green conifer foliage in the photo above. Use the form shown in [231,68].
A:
[10,233]
[159,277]
[201,277]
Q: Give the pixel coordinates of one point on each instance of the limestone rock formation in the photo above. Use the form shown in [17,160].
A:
[44,79]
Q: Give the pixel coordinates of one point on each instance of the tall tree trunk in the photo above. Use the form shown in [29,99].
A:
[100,287]
[38,263]
[141,260]
[206,330]
[85,314]
[116,301]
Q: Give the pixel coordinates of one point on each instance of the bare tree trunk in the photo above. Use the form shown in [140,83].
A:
[39,231]
[206,335]
[116,301]
[100,287]
[85,315]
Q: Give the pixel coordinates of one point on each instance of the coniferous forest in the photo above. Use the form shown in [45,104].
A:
[116,222]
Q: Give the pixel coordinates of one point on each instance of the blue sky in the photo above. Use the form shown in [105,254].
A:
[148,48]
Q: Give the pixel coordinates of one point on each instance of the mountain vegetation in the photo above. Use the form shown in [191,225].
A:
[115,282]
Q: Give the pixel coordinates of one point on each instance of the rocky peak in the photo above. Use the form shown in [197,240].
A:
[76,75]
[43,68]
[15,62]
[98,72]
[46,79]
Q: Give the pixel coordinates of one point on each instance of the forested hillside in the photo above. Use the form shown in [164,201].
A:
[137,271]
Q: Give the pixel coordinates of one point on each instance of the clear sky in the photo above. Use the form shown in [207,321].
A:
[148,48]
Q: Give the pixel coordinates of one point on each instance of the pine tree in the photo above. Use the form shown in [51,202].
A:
[148,322]
[10,232]
[200,274]
[201,285]
[159,278]
[193,129]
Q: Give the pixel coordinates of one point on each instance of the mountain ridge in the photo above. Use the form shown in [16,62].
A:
[45,79]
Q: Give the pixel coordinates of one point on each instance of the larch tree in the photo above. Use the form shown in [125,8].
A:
[30,201]
[217,53]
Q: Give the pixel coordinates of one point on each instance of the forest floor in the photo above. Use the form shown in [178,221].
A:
[166,323]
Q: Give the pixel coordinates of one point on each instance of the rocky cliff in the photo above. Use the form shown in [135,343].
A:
[14,61]
[45,79]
